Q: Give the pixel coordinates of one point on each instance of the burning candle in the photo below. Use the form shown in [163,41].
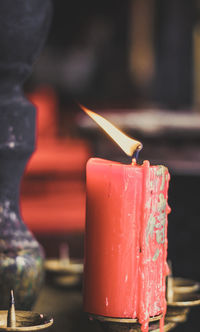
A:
[126,238]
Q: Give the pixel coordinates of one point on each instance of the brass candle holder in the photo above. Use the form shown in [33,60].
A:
[110,324]
[182,285]
[182,294]
[15,320]
[64,272]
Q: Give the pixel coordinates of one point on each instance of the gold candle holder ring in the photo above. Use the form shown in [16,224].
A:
[177,314]
[181,296]
[129,324]
[64,271]
[64,274]
[184,300]
[182,285]
[58,266]
[15,320]
[181,292]
[25,321]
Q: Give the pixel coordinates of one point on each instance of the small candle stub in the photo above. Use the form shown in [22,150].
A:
[64,254]
[11,318]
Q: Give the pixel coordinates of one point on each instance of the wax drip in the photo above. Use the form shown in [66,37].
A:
[143,314]
[143,318]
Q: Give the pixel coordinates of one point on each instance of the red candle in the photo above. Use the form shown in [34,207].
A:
[126,240]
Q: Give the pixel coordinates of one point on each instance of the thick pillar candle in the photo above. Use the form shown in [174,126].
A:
[126,240]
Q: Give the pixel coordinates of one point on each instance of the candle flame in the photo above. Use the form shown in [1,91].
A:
[127,144]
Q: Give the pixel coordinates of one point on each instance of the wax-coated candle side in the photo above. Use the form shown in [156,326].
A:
[153,243]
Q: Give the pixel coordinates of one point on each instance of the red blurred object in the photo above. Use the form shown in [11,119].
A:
[53,187]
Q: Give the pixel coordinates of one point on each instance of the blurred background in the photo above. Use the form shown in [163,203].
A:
[138,63]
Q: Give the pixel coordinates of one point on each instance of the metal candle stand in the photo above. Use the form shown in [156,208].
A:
[129,325]
[64,271]
[26,321]
[182,294]
[11,320]
[64,274]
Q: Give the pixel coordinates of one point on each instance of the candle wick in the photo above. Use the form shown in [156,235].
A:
[64,254]
[136,153]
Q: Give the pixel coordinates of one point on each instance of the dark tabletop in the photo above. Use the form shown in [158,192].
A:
[65,305]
